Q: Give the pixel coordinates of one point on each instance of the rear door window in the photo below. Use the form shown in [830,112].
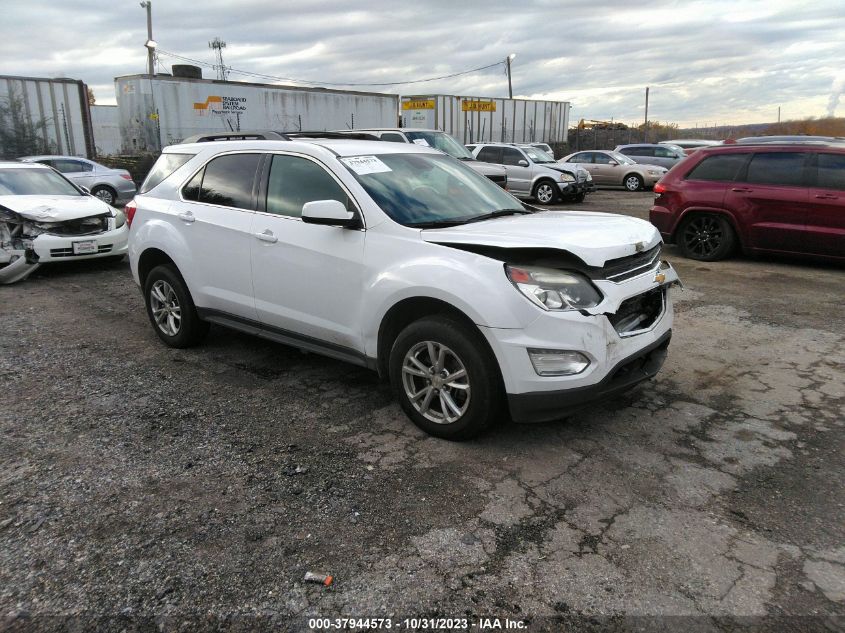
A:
[68,166]
[724,167]
[777,168]
[227,181]
[583,157]
[831,171]
[490,155]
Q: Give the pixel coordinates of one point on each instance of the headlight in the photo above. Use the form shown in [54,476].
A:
[654,172]
[119,219]
[567,177]
[554,289]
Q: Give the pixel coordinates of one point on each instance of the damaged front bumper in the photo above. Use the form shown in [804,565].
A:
[624,338]
[14,266]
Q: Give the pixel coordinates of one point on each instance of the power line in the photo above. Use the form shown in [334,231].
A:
[328,83]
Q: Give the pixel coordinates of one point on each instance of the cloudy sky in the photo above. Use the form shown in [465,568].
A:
[707,61]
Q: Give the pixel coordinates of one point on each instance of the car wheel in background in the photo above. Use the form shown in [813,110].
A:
[545,192]
[633,182]
[171,309]
[706,237]
[444,378]
[104,193]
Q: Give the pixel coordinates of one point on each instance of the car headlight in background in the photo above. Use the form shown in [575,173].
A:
[553,289]
[654,172]
[567,177]
[119,218]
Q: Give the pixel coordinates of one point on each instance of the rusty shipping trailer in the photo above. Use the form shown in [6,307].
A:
[489,119]
[44,116]
[160,110]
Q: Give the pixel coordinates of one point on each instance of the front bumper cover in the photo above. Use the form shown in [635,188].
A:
[543,406]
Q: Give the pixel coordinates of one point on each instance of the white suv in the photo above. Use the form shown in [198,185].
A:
[400,258]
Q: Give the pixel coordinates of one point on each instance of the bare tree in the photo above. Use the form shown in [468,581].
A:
[19,135]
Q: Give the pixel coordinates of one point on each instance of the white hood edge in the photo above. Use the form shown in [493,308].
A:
[595,238]
[55,208]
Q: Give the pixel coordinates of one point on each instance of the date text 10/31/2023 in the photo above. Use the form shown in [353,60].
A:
[417,624]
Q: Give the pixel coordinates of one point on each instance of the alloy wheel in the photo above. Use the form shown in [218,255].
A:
[164,304]
[436,382]
[545,194]
[105,195]
[632,183]
[703,236]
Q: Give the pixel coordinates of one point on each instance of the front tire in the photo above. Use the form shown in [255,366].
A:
[580,197]
[707,237]
[171,309]
[106,194]
[444,378]
[633,182]
[545,192]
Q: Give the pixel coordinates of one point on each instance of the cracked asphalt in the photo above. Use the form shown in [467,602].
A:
[144,488]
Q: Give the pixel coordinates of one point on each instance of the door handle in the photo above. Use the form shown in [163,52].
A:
[741,189]
[826,196]
[267,236]
[187,216]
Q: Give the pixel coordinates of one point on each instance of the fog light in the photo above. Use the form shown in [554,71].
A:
[557,362]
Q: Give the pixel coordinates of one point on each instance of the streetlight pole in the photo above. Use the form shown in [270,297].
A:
[508,61]
[150,45]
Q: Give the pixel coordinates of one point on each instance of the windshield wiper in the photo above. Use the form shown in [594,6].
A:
[498,214]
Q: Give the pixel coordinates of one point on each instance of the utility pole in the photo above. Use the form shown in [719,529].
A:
[645,127]
[508,61]
[778,114]
[150,45]
[217,45]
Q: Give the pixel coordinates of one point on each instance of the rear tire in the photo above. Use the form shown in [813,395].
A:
[707,237]
[171,309]
[444,378]
[633,182]
[545,192]
[106,194]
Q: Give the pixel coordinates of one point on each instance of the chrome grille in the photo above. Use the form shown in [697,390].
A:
[68,252]
[631,266]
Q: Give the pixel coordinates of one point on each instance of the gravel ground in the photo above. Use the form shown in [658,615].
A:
[144,488]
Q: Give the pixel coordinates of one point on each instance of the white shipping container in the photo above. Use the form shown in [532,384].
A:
[489,119]
[162,110]
[56,109]
[106,127]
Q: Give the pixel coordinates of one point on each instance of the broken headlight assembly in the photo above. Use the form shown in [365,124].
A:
[119,218]
[553,289]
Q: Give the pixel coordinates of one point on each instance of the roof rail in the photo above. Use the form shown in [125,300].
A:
[352,134]
[257,135]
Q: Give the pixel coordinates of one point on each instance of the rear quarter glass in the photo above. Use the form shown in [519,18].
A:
[165,165]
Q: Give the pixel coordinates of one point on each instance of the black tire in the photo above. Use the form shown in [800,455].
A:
[465,348]
[707,237]
[545,192]
[633,182]
[191,329]
[105,193]
[580,197]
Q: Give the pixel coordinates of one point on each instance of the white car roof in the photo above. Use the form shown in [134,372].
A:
[13,164]
[339,147]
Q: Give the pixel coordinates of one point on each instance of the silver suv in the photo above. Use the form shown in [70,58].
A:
[534,174]
[441,141]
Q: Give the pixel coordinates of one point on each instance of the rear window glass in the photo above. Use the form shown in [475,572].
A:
[722,167]
[163,167]
[228,180]
[831,171]
[777,168]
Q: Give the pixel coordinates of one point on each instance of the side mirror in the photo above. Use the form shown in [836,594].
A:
[612,162]
[328,212]
[522,163]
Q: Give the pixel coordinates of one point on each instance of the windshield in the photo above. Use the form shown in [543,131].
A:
[537,155]
[423,188]
[441,141]
[35,182]
[621,158]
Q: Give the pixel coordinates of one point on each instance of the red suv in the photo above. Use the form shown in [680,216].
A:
[772,198]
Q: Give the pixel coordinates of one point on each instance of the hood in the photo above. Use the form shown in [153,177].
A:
[55,208]
[595,238]
[485,169]
[652,167]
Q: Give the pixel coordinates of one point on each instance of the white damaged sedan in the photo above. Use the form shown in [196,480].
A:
[46,218]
